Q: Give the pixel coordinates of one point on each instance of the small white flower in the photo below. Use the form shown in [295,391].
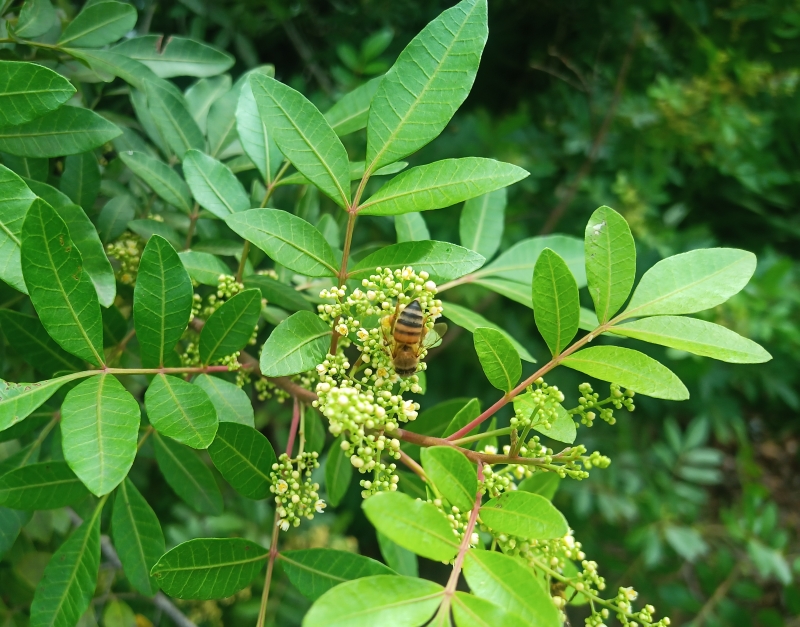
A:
[341,329]
[285,525]
[319,506]
[282,486]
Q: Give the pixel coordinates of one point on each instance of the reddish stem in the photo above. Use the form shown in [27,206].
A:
[294,427]
[462,550]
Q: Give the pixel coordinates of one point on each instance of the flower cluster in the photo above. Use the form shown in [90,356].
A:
[589,404]
[127,250]
[365,401]
[458,521]
[295,494]
[538,407]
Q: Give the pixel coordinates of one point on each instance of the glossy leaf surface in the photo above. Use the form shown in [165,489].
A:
[181,410]
[244,457]
[297,344]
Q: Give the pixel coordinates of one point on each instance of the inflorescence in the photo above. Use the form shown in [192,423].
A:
[296,496]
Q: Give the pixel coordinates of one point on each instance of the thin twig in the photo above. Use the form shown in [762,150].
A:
[718,595]
[555,216]
[305,52]
[414,466]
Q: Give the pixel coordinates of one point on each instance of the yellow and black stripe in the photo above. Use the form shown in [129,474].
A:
[408,327]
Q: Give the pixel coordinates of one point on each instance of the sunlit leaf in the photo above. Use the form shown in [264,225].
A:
[441,260]
[472,611]
[499,359]
[556,307]
[214,186]
[175,56]
[231,326]
[98,24]
[440,184]
[452,474]
[427,83]
[630,369]
[230,401]
[525,515]
[350,113]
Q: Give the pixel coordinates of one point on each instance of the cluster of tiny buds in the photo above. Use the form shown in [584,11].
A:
[127,250]
[589,404]
[385,478]
[458,520]
[227,287]
[539,406]
[296,496]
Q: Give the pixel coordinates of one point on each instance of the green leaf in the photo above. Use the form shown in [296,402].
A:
[525,515]
[561,429]
[518,262]
[221,122]
[338,472]
[114,217]
[203,94]
[315,571]
[52,196]
[411,227]
[518,292]
[230,327]
[610,261]
[209,568]
[117,614]
[214,186]
[440,184]
[29,339]
[401,560]
[177,126]
[482,222]
[175,56]
[244,457]
[230,401]
[630,369]
[543,483]
[255,136]
[137,537]
[287,239]
[303,136]
[427,83]
[61,290]
[18,400]
[377,600]
[65,131]
[452,474]
[350,113]
[162,301]
[95,262]
[191,480]
[11,523]
[556,307]
[469,320]
[204,268]
[463,417]
[69,581]
[691,282]
[442,260]
[297,344]
[161,178]
[109,64]
[415,525]
[508,583]
[35,18]
[99,24]
[181,410]
[99,430]
[499,359]
[28,90]
[356,173]
[29,168]
[15,199]
[695,336]
[46,485]
[472,611]
[277,293]
[81,179]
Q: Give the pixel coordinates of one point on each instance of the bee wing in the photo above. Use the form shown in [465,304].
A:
[434,336]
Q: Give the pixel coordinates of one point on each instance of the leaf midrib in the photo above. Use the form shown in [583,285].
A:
[283,239]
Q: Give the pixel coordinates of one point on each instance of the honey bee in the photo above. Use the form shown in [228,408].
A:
[406,336]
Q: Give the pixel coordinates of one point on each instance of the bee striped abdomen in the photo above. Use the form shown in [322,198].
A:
[408,327]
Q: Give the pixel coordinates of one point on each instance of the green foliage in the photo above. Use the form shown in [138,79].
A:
[257,275]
